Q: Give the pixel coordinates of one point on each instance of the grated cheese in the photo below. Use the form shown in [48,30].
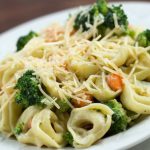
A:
[48,97]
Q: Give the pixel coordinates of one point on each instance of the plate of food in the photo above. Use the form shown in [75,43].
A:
[79,78]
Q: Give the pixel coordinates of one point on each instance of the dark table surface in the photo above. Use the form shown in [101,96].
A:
[14,12]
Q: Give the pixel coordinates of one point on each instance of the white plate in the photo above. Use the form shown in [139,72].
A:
[138,14]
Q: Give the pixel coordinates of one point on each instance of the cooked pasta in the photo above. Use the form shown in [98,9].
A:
[45,129]
[77,83]
[135,97]
[91,127]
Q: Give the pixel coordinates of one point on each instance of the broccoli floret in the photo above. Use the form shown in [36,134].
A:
[64,107]
[101,10]
[102,6]
[28,91]
[68,138]
[82,18]
[90,14]
[121,17]
[120,118]
[22,41]
[143,38]
[130,32]
[19,128]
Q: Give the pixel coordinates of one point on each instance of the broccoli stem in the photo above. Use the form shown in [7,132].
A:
[64,107]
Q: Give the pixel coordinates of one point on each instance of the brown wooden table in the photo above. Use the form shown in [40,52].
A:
[14,12]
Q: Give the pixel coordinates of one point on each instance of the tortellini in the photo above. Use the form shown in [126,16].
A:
[8,71]
[9,109]
[9,113]
[4,67]
[121,56]
[82,67]
[143,74]
[136,97]
[24,120]
[96,121]
[34,48]
[144,59]
[46,128]
[117,55]
[98,87]
[51,85]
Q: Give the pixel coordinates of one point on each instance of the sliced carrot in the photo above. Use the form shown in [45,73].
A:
[78,103]
[115,82]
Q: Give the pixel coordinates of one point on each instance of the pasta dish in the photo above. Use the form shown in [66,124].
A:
[74,84]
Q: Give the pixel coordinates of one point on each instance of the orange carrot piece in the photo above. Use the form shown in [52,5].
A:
[115,82]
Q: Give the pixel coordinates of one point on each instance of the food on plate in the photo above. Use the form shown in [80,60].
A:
[74,84]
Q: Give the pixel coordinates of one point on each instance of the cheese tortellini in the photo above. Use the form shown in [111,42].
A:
[109,53]
[8,71]
[34,48]
[143,74]
[95,122]
[9,113]
[136,97]
[82,67]
[98,87]
[121,56]
[144,59]
[46,128]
